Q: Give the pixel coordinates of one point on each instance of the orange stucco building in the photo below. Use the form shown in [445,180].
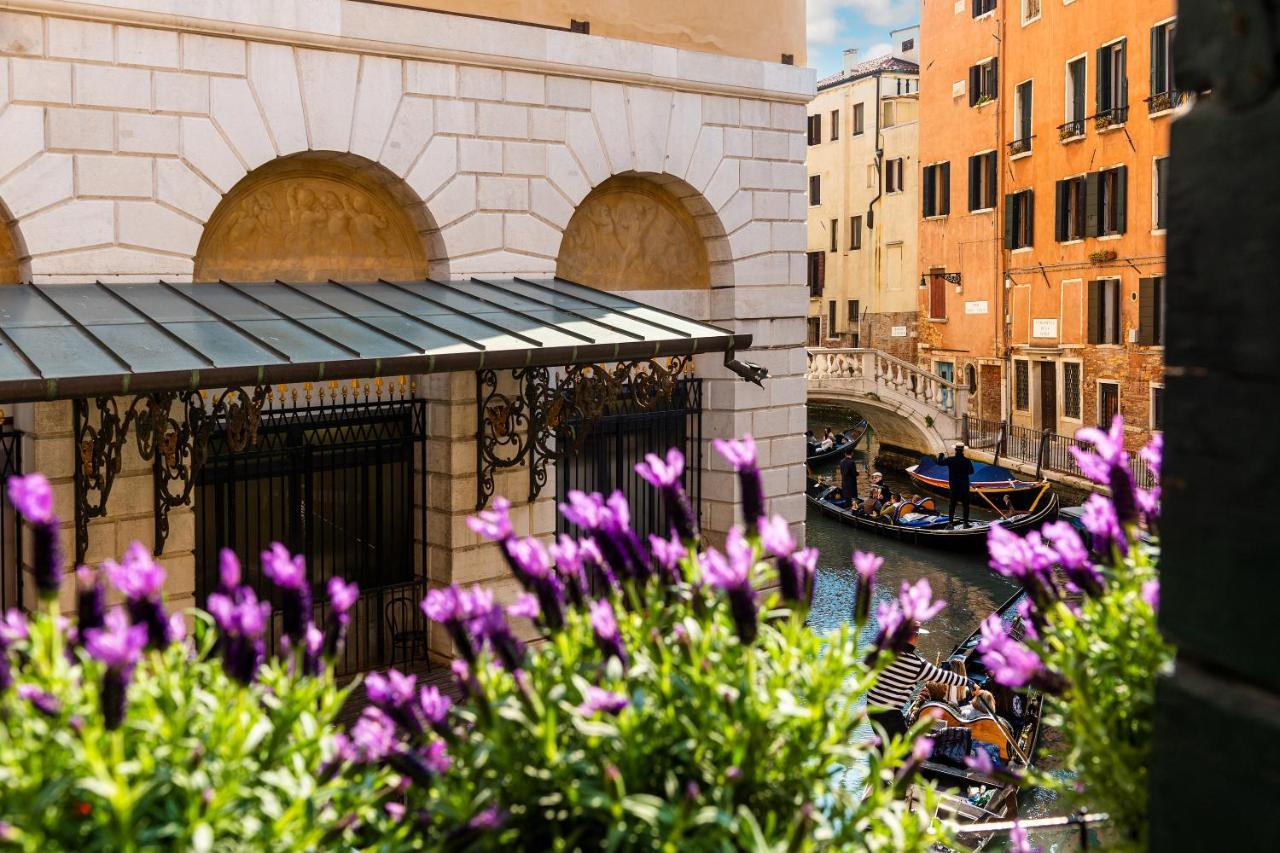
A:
[1043,143]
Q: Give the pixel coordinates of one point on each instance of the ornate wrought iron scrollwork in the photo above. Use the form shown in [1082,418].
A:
[545,421]
[176,443]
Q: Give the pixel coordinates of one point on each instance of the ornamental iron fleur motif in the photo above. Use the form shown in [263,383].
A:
[539,421]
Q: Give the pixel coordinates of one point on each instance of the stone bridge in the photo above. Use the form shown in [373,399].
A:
[906,405]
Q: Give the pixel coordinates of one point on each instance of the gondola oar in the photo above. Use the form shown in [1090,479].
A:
[983,495]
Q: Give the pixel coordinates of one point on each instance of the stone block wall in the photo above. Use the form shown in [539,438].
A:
[124,130]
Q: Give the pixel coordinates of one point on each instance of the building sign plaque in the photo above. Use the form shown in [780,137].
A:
[976,306]
[1044,328]
[898,332]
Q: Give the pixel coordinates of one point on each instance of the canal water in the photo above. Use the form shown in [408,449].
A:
[963,580]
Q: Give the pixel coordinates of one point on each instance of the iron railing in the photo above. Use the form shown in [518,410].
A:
[1078,824]
[623,435]
[1071,129]
[1111,117]
[344,484]
[1021,146]
[1047,450]
[10,524]
[1160,102]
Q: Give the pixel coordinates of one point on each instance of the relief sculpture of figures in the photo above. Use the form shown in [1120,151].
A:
[309,226]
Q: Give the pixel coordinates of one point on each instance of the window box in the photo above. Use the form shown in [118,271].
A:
[1071,131]
[1102,256]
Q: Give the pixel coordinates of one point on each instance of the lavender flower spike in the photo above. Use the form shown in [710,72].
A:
[732,574]
[118,645]
[44,702]
[667,475]
[742,456]
[605,625]
[1109,465]
[342,597]
[289,573]
[865,564]
[598,700]
[228,570]
[32,497]
[90,600]
[493,524]
[141,579]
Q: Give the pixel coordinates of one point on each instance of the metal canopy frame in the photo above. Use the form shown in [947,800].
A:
[73,341]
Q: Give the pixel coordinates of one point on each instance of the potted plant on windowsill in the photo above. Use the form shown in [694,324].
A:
[1102,256]
[1018,146]
[1102,121]
[983,101]
[1067,131]
[1161,102]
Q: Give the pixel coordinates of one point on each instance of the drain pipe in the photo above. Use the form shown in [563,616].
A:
[871,213]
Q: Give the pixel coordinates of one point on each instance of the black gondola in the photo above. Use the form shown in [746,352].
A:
[844,440]
[990,484]
[1012,731]
[928,527]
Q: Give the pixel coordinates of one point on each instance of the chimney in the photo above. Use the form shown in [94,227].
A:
[850,59]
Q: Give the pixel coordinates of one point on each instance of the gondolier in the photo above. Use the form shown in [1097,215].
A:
[885,701]
[849,477]
[958,469]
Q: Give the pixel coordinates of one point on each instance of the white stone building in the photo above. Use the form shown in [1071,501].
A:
[129,129]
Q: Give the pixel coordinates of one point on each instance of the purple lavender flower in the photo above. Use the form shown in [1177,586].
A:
[775,537]
[342,597]
[605,625]
[489,818]
[118,645]
[1027,613]
[289,573]
[313,652]
[980,762]
[372,738]
[393,693]
[524,607]
[898,618]
[445,606]
[1013,664]
[1018,842]
[13,627]
[572,557]
[731,573]
[922,748]
[434,706]
[531,564]
[1101,521]
[598,700]
[1027,559]
[488,624]
[493,524]
[228,570]
[742,456]
[1151,594]
[1108,465]
[32,497]
[1073,557]
[436,757]
[865,564]
[1153,454]
[44,702]
[668,477]
[242,621]
[467,684]
[141,579]
[584,510]
[90,600]
[608,522]
[668,553]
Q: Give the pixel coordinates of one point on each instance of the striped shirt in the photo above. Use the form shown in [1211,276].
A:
[908,669]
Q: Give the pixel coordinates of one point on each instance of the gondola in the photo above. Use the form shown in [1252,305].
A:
[1012,732]
[922,524]
[990,484]
[845,440]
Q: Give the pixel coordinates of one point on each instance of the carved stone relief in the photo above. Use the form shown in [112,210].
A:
[309,220]
[631,234]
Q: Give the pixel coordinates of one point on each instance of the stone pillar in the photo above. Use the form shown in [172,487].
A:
[1218,715]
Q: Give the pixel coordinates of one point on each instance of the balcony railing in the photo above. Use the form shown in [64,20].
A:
[1047,450]
[1111,117]
[1071,129]
[1161,102]
[1020,146]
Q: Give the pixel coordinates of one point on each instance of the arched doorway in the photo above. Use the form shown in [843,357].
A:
[631,233]
[307,218]
[10,257]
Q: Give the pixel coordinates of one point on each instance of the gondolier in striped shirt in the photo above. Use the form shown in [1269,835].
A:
[898,682]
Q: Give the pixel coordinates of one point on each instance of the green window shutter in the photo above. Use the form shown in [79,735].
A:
[1029,226]
[1099,102]
[1060,211]
[1122,197]
[946,189]
[973,183]
[1157,61]
[991,179]
[1095,312]
[1124,74]
[926,190]
[995,79]
[1010,204]
[822,272]
[1146,311]
[1092,198]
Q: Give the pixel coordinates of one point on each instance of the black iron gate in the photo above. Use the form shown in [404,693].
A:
[621,438]
[10,527]
[345,485]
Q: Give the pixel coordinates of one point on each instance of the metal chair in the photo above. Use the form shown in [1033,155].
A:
[408,633]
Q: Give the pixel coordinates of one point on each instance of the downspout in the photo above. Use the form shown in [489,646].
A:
[1003,349]
[871,214]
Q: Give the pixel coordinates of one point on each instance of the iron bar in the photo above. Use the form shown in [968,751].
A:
[1078,819]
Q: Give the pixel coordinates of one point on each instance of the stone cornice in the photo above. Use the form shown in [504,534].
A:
[365,27]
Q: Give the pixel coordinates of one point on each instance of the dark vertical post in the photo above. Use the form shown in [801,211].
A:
[1218,715]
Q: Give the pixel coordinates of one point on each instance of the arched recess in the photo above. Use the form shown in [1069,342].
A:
[316,216]
[644,232]
[11,251]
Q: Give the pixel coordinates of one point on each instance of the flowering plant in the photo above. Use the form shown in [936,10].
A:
[1091,638]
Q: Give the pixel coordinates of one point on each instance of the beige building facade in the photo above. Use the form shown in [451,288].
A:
[181,141]
[863,202]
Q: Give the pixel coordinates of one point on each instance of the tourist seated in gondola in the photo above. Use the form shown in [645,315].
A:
[810,442]
[897,684]
[828,441]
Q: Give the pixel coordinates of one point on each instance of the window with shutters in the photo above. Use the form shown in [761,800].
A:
[855,233]
[1071,389]
[937,295]
[1021,385]
[1073,127]
[1111,200]
[817,273]
[1157,407]
[1163,95]
[982,181]
[983,83]
[853,313]
[815,190]
[815,331]
[1160,194]
[893,175]
[1104,311]
[1019,220]
[1108,403]
[858,110]
[936,179]
[1021,143]
[1030,11]
[835,125]
[1151,311]
[982,7]
[815,129]
[1069,214]
[835,234]
[831,319]
[1112,86]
